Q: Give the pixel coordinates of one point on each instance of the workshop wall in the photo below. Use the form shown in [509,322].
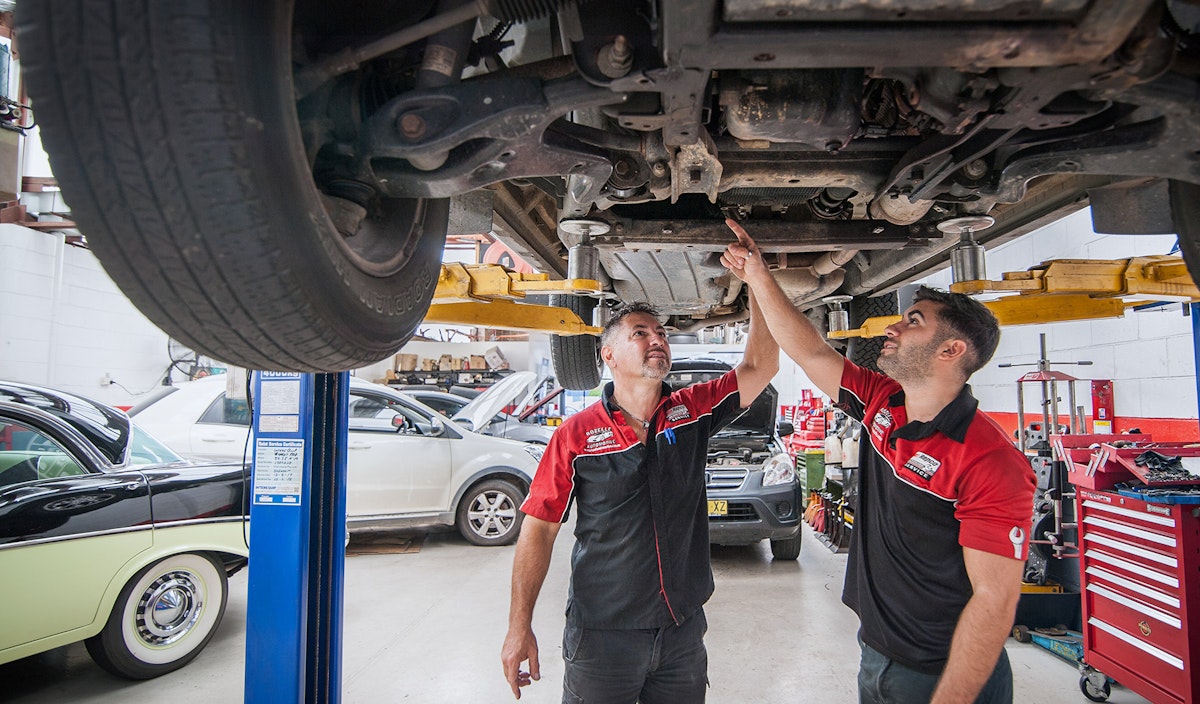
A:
[1148,354]
[65,324]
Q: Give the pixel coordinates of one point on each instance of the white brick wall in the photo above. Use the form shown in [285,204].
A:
[1148,354]
[65,324]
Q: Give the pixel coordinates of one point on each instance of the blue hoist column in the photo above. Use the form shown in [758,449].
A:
[297,538]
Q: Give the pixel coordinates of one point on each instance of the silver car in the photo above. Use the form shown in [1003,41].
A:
[408,466]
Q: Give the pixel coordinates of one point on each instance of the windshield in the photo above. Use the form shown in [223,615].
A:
[759,417]
[145,449]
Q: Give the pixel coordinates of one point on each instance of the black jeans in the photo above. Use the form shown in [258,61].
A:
[652,666]
[882,680]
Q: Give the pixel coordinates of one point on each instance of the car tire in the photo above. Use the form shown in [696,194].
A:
[1185,212]
[786,548]
[163,617]
[576,358]
[240,262]
[864,351]
[489,513]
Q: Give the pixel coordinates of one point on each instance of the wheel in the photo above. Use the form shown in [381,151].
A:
[1021,633]
[864,351]
[173,132]
[1093,692]
[576,358]
[163,618]
[488,513]
[786,548]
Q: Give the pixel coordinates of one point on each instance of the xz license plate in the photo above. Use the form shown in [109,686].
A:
[720,507]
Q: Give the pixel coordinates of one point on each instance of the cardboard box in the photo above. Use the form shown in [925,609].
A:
[406,362]
[445,363]
[495,358]
[476,361]
[428,365]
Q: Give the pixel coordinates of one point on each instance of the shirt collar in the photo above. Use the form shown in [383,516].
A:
[606,395]
[952,421]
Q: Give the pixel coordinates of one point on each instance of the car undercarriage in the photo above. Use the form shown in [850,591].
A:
[850,137]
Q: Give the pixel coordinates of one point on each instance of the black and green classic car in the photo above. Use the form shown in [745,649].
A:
[109,537]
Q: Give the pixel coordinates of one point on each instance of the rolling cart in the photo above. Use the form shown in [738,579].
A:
[1140,571]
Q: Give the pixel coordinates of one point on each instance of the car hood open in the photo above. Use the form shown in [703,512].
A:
[484,407]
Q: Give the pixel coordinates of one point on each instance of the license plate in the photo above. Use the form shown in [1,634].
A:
[719,507]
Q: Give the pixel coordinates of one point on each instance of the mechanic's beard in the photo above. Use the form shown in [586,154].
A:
[908,364]
[656,368]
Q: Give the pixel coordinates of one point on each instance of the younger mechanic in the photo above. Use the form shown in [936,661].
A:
[944,500]
[633,464]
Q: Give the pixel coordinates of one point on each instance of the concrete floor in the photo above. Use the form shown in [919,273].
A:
[427,627]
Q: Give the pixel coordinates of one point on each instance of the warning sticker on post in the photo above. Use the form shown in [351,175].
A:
[280,393]
[278,471]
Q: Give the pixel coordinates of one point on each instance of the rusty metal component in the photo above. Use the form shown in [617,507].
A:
[819,108]
[696,170]
[615,59]
[898,209]
[412,125]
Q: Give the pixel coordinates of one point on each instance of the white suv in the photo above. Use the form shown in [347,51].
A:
[408,466]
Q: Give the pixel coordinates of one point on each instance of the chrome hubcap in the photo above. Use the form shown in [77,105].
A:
[169,608]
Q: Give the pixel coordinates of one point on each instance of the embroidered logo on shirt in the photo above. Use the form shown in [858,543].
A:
[678,413]
[599,438]
[1017,536]
[923,465]
[880,423]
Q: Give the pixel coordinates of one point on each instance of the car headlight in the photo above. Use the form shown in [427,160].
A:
[535,451]
[778,470]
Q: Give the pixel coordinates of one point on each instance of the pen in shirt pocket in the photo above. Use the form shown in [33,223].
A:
[670,435]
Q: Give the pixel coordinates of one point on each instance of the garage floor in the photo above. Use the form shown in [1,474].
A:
[427,627]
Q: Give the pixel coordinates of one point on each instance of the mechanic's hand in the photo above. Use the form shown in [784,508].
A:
[520,646]
[743,258]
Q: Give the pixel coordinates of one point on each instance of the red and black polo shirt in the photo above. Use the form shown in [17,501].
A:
[641,557]
[926,491]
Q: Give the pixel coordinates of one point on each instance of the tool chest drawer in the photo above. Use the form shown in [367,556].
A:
[1140,584]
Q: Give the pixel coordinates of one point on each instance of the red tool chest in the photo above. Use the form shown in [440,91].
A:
[1140,578]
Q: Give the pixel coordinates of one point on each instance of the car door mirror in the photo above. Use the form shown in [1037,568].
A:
[436,428]
[786,429]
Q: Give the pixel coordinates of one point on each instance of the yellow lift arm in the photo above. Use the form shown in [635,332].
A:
[1070,289]
[486,294]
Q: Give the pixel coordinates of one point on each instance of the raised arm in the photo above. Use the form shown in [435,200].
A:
[793,332]
[760,364]
[532,561]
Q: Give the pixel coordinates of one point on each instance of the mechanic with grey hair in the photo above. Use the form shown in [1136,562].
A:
[633,465]
[944,497]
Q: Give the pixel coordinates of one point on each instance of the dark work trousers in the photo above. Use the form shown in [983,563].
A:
[652,666]
[882,680]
